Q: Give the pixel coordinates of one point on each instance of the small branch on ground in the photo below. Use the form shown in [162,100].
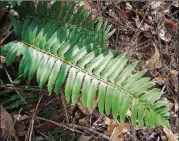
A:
[14,86]
[30,129]
[76,128]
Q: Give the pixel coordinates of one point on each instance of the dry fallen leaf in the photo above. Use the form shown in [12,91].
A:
[174,78]
[144,26]
[159,6]
[155,61]
[155,4]
[171,25]
[107,121]
[164,35]
[160,79]
[175,4]
[116,130]
[140,13]
[1,43]
[121,14]
[84,138]
[170,135]
[148,34]
[84,121]
[7,124]
[173,73]
[128,6]
[20,117]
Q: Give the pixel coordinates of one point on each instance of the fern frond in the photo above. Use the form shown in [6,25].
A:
[11,3]
[65,14]
[63,55]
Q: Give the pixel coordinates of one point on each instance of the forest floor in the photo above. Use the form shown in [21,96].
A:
[147,30]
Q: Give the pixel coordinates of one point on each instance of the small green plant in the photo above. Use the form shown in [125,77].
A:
[11,3]
[64,47]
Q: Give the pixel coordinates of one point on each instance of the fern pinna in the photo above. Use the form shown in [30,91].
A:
[64,47]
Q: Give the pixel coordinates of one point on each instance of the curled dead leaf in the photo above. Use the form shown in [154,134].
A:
[155,61]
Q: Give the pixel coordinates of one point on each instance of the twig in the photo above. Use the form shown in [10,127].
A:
[59,124]
[9,33]
[137,32]
[45,136]
[95,123]
[90,130]
[74,127]
[18,117]
[32,122]
[14,86]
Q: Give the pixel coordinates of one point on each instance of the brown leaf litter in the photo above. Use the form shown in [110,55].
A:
[155,61]
[7,124]
[116,130]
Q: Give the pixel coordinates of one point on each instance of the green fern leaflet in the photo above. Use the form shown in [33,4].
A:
[71,54]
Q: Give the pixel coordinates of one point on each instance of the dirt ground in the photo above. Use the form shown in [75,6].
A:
[147,30]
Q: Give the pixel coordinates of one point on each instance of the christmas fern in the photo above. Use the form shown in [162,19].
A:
[63,47]
[11,3]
